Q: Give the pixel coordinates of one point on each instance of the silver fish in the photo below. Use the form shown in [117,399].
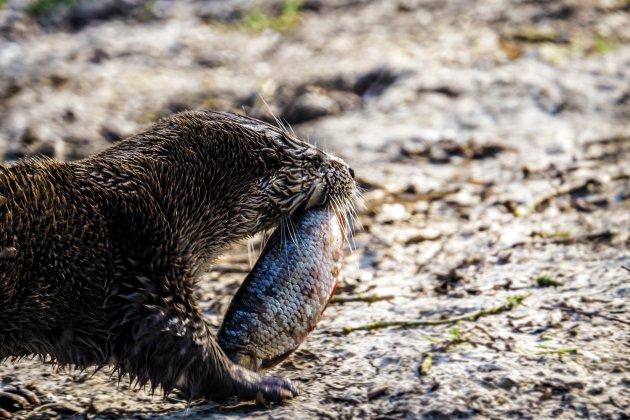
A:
[283,297]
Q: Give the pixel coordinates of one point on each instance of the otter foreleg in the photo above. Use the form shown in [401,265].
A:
[158,336]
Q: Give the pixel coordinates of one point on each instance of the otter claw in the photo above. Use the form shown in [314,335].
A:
[267,389]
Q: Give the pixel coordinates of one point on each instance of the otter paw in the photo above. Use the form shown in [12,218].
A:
[14,398]
[266,389]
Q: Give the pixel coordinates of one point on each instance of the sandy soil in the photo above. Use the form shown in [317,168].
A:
[491,141]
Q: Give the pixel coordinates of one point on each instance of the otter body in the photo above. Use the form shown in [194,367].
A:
[98,257]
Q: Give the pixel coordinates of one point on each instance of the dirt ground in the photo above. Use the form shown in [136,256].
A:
[492,143]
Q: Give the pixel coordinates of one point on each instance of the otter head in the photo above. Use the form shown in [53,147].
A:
[302,176]
[278,174]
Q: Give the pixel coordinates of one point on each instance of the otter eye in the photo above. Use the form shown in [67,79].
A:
[269,158]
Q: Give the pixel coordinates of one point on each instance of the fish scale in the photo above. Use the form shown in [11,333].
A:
[285,294]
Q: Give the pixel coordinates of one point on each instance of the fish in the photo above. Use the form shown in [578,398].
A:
[285,294]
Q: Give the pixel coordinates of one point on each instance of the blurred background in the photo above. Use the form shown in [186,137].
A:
[77,75]
[491,140]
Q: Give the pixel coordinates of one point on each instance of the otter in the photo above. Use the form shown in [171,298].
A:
[99,257]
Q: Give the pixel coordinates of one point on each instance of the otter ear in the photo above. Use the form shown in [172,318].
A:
[268,157]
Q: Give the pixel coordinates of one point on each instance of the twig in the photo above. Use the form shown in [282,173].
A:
[447,345]
[586,313]
[557,352]
[427,358]
[486,332]
[626,268]
[606,235]
[361,298]
[512,302]
[571,189]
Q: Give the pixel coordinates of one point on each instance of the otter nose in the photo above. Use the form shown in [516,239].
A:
[351,172]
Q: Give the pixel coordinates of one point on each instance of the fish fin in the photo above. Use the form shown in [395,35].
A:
[267,364]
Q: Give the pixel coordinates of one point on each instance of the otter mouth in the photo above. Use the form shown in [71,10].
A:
[315,197]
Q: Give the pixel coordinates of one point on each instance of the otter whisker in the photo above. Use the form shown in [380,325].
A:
[283,233]
[289,225]
[264,238]
[294,237]
[348,227]
[281,125]
[348,212]
[250,252]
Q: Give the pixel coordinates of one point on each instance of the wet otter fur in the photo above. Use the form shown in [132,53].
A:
[99,257]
